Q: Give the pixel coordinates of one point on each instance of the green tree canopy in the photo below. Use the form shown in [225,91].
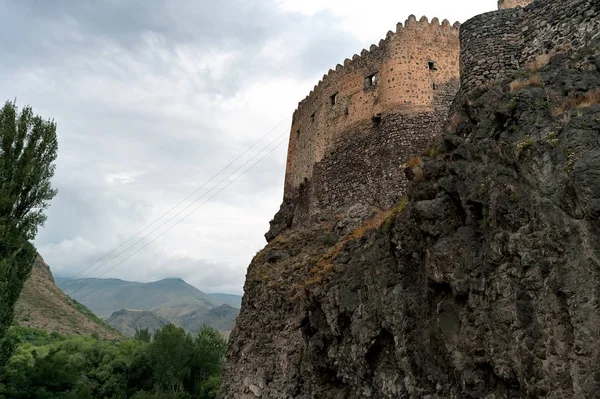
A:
[28,149]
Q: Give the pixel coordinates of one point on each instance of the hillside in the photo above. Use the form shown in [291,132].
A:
[222,318]
[43,305]
[127,321]
[170,299]
[235,301]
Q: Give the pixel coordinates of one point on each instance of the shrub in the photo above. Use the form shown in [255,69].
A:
[519,84]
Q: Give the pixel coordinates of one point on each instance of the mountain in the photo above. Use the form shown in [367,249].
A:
[235,301]
[43,305]
[222,318]
[128,320]
[170,299]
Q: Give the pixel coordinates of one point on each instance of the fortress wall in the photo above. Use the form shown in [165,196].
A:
[503,4]
[548,25]
[489,47]
[365,170]
[405,84]
[540,28]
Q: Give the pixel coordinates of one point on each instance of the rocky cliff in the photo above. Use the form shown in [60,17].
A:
[484,282]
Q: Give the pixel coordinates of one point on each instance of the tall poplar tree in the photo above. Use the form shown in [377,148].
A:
[28,149]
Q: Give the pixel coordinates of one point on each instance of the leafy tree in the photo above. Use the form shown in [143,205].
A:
[171,352]
[28,148]
[142,335]
[209,353]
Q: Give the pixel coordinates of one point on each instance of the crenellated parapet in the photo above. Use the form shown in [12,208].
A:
[406,72]
[496,44]
[410,27]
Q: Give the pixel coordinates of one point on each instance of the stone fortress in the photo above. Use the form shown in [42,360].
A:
[357,329]
[351,135]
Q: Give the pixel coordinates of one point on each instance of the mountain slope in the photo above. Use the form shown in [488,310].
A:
[128,320]
[171,299]
[235,301]
[222,318]
[43,305]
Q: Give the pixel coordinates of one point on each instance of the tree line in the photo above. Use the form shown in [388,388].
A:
[173,364]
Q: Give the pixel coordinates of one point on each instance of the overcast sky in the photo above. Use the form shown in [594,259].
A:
[153,97]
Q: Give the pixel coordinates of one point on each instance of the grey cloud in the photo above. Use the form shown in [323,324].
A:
[149,100]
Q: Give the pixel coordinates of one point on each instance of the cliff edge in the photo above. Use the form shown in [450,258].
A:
[483,281]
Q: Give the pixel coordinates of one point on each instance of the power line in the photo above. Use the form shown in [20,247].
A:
[180,202]
[182,210]
[179,221]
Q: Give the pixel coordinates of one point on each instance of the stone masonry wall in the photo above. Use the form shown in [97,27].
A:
[495,44]
[410,66]
[503,4]
[365,169]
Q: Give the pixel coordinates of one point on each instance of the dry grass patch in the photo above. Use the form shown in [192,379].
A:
[538,62]
[519,84]
[590,98]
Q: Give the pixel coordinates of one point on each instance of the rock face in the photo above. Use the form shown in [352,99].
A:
[483,283]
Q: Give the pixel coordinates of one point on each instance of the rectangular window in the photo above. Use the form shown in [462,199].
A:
[334,99]
[434,86]
[371,80]
[312,118]
[431,66]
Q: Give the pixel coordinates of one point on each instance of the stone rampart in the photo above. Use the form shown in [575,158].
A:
[503,4]
[406,73]
[495,44]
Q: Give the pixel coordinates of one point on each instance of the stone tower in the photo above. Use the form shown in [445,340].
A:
[363,120]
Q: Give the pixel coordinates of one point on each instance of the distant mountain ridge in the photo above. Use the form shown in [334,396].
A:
[170,299]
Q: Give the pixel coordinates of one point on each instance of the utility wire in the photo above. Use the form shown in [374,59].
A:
[182,219]
[182,210]
[179,203]
[175,206]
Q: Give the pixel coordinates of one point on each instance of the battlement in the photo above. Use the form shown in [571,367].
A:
[407,72]
[411,26]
